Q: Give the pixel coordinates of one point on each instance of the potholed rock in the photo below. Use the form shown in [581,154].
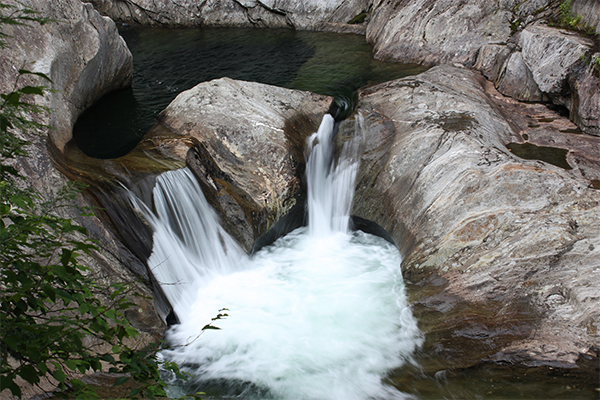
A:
[501,253]
[84,56]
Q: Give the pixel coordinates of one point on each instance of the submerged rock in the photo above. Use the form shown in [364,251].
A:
[501,253]
[247,143]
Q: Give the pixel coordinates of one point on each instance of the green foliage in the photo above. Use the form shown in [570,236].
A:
[56,321]
[359,19]
[568,20]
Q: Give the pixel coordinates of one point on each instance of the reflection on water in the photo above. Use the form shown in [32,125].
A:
[169,61]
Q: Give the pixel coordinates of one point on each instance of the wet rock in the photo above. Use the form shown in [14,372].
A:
[247,142]
[500,253]
[308,15]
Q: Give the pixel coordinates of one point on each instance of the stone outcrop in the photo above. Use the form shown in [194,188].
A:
[546,64]
[306,15]
[83,55]
[501,253]
[433,32]
[247,142]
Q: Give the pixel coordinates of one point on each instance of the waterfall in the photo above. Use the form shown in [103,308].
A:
[319,314]
[331,182]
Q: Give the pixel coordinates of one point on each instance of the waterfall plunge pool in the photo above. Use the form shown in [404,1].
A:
[169,61]
[319,314]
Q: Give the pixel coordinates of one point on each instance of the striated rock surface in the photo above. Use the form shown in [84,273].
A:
[307,15]
[502,254]
[551,55]
[433,32]
[247,142]
[546,64]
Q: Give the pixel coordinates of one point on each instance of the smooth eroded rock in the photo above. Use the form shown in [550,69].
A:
[247,142]
[84,56]
[433,32]
[502,254]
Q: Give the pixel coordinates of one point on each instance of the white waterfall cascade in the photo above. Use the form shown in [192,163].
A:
[320,314]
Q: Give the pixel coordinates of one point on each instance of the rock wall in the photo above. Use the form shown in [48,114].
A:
[85,58]
[433,32]
[306,15]
[589,11]
[541,63]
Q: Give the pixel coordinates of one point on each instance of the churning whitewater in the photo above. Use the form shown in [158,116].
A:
[319,314]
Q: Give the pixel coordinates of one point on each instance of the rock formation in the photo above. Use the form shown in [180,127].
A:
[306,15]
[511,242]
[500,253]
[243,136]
[81,71]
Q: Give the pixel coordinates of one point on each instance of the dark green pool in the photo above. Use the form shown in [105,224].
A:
[169,61]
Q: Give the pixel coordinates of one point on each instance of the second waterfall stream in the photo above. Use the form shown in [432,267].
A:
[320,314]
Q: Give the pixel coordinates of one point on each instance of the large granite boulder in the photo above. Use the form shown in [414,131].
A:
[247,143]
[307,15]
[501,254]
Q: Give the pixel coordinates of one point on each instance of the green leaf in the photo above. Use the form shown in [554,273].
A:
[210,327]
[58,374]
[40,74]
[120,380]
[39,90]
[29,373]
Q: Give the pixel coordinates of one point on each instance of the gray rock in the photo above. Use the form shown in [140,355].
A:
[490,60]
[85,58]
[307,15]
[589,11]
[585,95]
[512,243]
[551,54]
[517,80]
[434,32]
[247,142]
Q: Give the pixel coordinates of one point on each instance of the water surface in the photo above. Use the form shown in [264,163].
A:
[169,61]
